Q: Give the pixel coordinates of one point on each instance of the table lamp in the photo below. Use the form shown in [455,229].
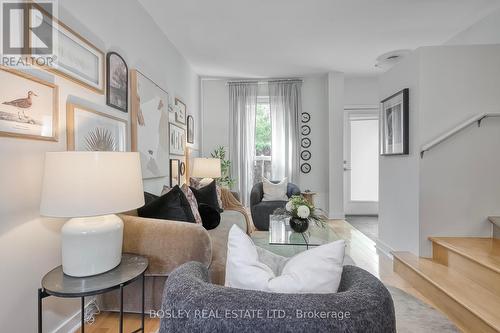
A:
[89,188]
[206,168]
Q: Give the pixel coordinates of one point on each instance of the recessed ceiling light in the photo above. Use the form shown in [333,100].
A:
[389,59]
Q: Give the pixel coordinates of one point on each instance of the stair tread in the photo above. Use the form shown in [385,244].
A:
[469,294]
[485,251]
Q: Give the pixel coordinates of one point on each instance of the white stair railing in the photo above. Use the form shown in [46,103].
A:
[476,119]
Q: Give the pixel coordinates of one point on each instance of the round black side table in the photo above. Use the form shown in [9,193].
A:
[56,283]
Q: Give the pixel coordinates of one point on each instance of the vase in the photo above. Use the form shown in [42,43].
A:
[299,225]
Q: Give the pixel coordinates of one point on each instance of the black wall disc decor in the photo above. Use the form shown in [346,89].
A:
[305,143]
[305,155]
[305,168]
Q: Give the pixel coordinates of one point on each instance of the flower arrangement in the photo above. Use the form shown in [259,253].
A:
[301,213]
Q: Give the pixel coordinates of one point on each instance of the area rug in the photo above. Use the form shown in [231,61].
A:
[414,316]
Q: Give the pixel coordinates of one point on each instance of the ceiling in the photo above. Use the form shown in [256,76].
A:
[276,38]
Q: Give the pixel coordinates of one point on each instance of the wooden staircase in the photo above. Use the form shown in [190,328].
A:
[462,279]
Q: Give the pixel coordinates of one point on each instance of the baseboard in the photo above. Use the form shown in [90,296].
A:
[384,249]
[74,322]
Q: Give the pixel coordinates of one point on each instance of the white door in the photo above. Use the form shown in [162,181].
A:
[361,161]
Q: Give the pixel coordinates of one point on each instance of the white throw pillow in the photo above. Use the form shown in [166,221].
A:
[317,270]
[275,192]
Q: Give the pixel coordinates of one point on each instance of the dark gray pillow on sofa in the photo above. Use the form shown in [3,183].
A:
[207,195]
[170,206]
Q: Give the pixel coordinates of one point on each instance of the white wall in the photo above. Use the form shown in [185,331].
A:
[486,31]
[399,178]
[361,91]
[30,245]
[452,190]
[215,115]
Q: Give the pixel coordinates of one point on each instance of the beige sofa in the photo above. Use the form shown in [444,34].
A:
[167,245]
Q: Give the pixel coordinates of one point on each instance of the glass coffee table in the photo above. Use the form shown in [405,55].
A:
[280,233]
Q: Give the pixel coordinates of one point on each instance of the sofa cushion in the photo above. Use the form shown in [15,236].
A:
[207,195]
[317,270]
[171,206]
[274,191]
[192,203]
[210,217]
[198,183]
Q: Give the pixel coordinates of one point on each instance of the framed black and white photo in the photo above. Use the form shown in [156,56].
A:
[90,130]
[190,129]
[76,58]
[394,124]
[180,111]
[177,140]
[116,82]
[175,175]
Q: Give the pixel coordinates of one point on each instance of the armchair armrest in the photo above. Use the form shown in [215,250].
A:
[166,244]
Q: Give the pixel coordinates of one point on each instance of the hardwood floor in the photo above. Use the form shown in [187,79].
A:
[359,247]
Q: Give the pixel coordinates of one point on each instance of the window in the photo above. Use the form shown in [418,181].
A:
[262,166]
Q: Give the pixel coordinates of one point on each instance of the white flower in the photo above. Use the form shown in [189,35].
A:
[289,206]
[303,212]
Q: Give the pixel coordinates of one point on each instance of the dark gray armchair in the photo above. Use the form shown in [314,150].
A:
[261,210]
[192,304]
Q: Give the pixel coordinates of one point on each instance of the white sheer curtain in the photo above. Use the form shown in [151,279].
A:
[242,108]
[286,106]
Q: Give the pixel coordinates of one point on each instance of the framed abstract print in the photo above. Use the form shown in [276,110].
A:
[75,57]
[177,140]
[190,129]
[180,111]
[28,106]
[149,125]
[116,82]
[90,130]
[394,124]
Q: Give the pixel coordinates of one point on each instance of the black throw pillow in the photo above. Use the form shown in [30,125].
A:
[149,197]
[210,217]
[207,195]
[170,206]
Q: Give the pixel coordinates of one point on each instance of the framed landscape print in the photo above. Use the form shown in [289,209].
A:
[116,82]
[75,57]
[175,175]
[28,106]
[149,125]
[90,130]
[180,111]
[394,124]
[177,140]
[190,129]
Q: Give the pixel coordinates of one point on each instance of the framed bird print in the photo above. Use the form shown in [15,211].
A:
[90,130]
[180,111]
[28,106]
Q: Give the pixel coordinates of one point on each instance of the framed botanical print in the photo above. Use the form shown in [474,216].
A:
[394,124]
[180,111]
[90,130]
[116,82]
[75,57]
[190,129]
[175,175]
[149,124]
[177,140]
[28,106]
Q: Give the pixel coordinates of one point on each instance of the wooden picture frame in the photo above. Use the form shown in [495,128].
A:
[116,89]
[103,130]
[12,124]
[64,70]
[180,111]
[395,124]
[175,175]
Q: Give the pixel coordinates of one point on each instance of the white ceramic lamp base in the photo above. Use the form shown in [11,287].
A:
[91,245]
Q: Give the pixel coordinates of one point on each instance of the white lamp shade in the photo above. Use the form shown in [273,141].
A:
[81,184]
[206,168]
